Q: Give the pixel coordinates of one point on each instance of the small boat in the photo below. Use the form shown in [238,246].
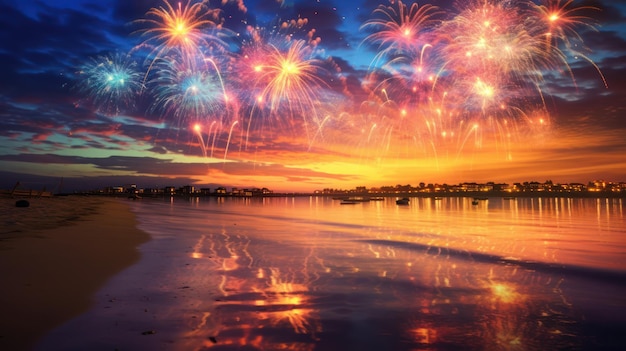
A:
[359,199]
[403,201]
[17,191]
[348,202]
[475,202]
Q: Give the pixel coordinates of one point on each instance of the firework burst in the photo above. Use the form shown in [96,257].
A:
[401,31]
[558,22]
[187,30]
[111,82]
[283,83]
[439,81]
[289,79]
[187,92]
[476,74]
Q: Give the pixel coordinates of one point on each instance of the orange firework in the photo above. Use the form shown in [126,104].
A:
[288,82]
[182,28]
[560,20]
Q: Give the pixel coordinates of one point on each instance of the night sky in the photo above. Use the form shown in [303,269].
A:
[304,95]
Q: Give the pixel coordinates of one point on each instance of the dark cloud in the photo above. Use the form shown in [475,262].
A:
[128,11]
[40,54]
[148,170]
[62,34]
[325,21]
[606,13]
[608,45]
[92,182]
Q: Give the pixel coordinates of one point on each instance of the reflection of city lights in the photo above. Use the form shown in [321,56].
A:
[197,248]
[424,335]
[230,263]
[509,340]
[504,293]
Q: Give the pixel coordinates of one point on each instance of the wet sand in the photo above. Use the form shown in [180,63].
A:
[54,255]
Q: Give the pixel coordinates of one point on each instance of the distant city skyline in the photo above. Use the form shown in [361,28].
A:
[599,186]
[302,95]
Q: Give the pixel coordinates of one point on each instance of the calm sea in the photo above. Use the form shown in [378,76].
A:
[313,274]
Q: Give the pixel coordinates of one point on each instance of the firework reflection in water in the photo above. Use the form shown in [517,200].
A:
[309,273]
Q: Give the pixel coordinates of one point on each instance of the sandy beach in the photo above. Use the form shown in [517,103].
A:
[54,255]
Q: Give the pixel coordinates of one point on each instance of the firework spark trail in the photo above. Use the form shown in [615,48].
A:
[185,91]
[183,29]
[285,86]
[292,80]
[488,59]
[198,129]
[558,21]
[232,127]
[112,82]
[439,79]
[400,31]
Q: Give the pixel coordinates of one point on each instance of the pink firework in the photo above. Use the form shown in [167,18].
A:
[401,30]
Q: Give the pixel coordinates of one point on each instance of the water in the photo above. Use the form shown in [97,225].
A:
[312,274]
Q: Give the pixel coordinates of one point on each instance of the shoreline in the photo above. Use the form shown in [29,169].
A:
[55,255]
[399,194]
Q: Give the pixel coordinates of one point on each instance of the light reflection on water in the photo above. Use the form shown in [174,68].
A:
[312,274]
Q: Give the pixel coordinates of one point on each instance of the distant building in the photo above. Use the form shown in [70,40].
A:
[470,187]
[188,190]
[360,190]
[152,191]
[577,187]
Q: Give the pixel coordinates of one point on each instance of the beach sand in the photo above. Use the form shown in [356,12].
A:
[54,255]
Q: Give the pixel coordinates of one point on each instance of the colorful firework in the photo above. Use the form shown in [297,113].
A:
[440,81]
[401,31]
[187,92]
[284,84]
[185,29]
[289,79]
[484,64]
[111,82]
[557,21]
